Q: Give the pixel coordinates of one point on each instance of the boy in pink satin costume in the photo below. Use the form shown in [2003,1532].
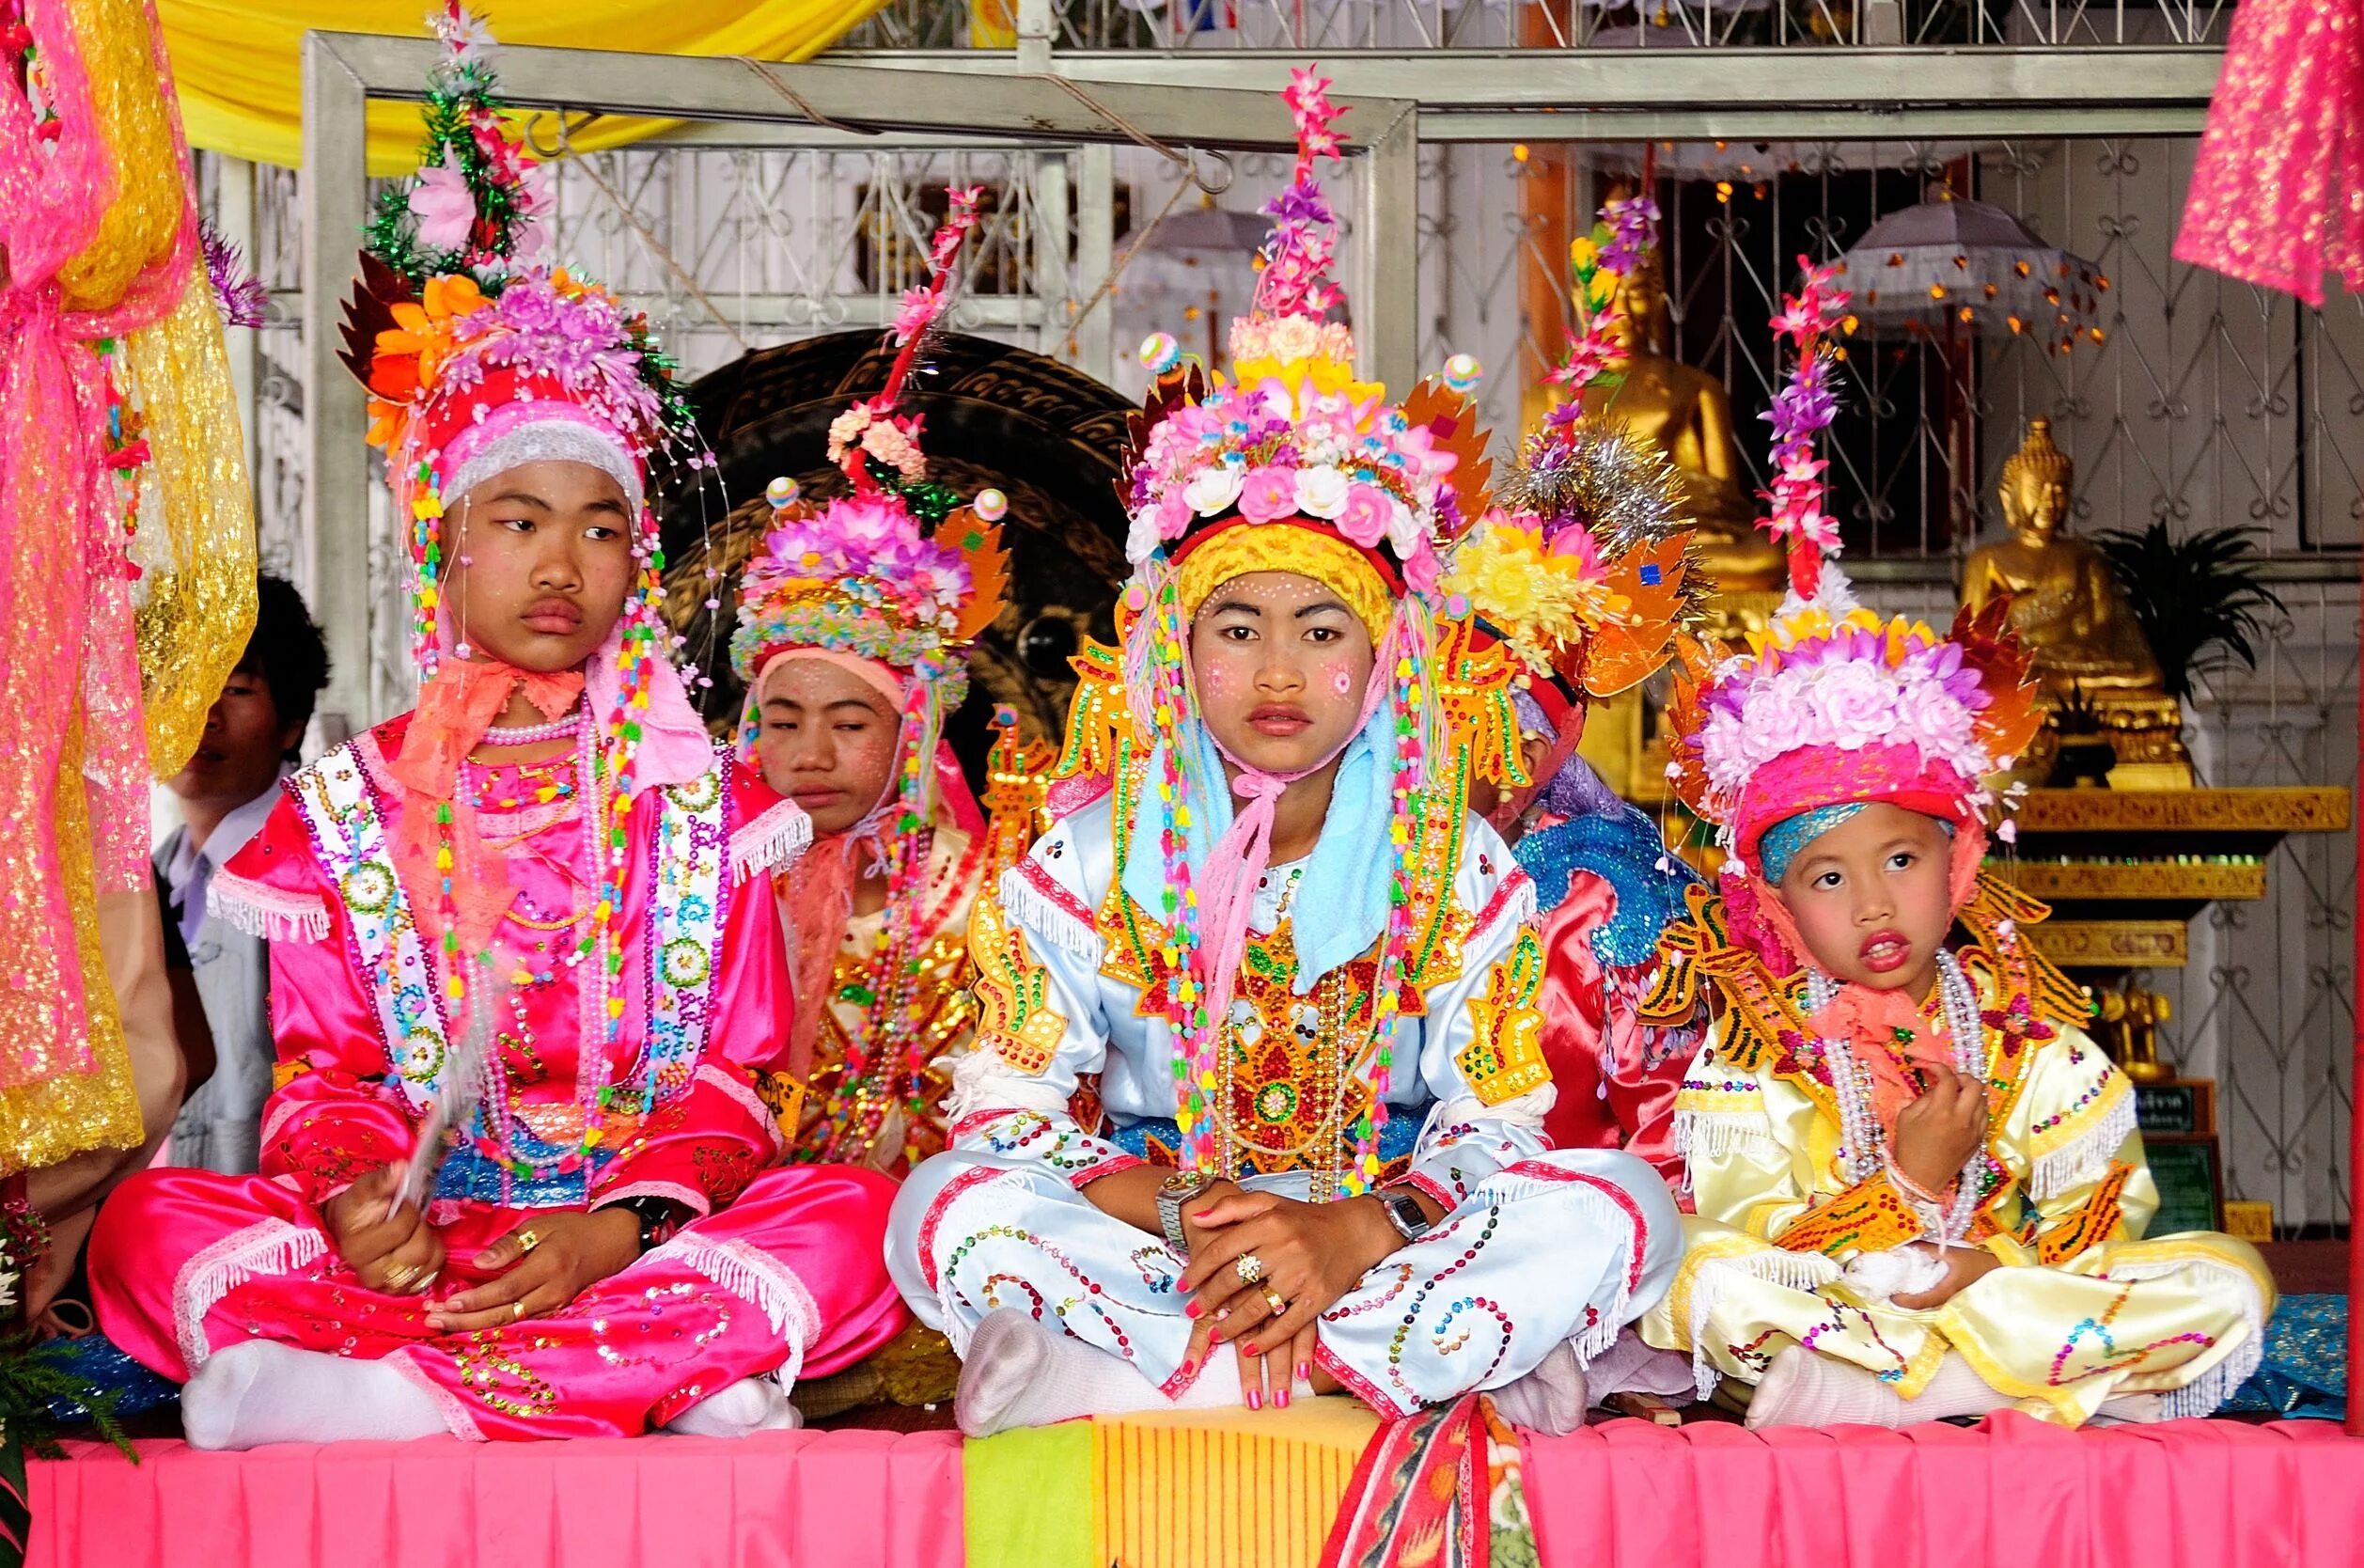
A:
[544,884]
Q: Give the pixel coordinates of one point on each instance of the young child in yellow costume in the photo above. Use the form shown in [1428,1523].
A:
[1920,1192]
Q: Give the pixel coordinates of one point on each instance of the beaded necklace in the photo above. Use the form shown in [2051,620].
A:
[884,1061]
[1863,1150]
[600,1010]
[1157,682]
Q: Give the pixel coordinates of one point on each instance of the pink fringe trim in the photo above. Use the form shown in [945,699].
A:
[260,910]
[269,1247]
[774,840]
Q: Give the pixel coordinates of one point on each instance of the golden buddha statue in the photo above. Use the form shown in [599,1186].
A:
[2085,644]
[1689,414]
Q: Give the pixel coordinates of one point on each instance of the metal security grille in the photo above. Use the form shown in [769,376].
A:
[1332,24]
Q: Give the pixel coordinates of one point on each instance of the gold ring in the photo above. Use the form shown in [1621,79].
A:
[1249,1268]
[516,1310]
[1272,1300]
[399,1276]
[527,1241]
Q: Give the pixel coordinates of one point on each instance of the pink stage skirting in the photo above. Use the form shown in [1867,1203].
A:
[2185,1495]
[768,1501]
[2013,1491]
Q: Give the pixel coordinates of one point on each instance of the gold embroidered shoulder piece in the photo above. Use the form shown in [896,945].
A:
[1762,1011]
[1014,1017]
[1099,733]
[1017,795]
[1504,1057]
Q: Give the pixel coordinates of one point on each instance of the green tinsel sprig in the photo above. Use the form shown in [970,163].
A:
[461,96]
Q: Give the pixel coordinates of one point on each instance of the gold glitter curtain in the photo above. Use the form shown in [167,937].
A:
[44,1123]
[200,604]
[88,297]
[141,223]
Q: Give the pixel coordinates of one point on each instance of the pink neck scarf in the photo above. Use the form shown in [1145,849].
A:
[1226,885]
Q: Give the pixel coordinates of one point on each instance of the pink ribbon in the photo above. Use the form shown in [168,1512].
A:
[1227,888]
[1226,885]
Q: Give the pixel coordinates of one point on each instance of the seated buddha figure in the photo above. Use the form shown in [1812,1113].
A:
[1689,414]
[2066,603]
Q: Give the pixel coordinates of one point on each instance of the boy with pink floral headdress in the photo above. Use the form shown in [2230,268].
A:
[527,991]
[853,621]
[1920,1191]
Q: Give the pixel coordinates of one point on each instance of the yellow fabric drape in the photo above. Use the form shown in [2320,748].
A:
[238,62]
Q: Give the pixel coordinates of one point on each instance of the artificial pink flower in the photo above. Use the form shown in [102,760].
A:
[1173,516]
[1856,706]
[1422,572]
[1268,493]
[1364,519]
[444,205]
[919,306]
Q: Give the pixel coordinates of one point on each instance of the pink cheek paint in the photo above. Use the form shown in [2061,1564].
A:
[1341,683]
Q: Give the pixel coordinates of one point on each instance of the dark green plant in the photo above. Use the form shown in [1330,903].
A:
[32,1378]
[2201,599]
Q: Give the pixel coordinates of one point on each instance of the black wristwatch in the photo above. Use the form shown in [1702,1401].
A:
[660,1217]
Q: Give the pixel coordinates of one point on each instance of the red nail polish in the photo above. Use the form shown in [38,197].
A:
[1281,1398]
[1189,1368]
[1250,1348]
[1304,1372]
[1191,1311]
[1255,1400]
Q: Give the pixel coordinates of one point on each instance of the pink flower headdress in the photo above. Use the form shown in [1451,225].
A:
[479,359]
[1832,706]
[896,578]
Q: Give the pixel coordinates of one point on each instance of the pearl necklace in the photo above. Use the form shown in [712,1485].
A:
[1863,1147]
[560,728]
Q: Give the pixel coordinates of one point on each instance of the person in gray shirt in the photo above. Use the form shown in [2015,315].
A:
[251,738]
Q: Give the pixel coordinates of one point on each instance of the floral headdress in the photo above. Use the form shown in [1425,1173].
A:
[896,570]
[479,359]
[1294,465]
[1832,707]
[895,574]
[1585,576]
[476,359]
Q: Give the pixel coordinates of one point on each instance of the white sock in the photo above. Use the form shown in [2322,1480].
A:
[2130,1409]
[750,1405]
[1019,1371]
[259,1392]
[1954,1390]
[1803,1387]
[1549,1399]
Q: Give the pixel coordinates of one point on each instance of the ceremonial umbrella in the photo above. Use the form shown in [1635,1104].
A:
[1949,268]
[1951,263]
